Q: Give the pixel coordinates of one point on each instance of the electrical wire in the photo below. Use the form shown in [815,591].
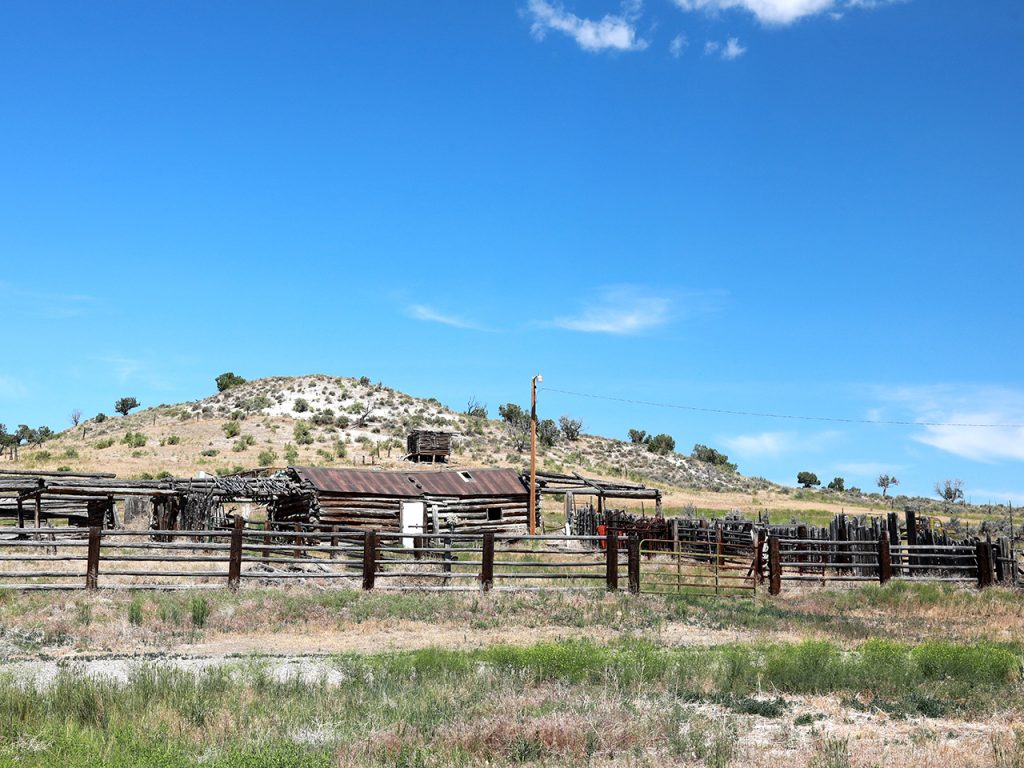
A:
[891,422]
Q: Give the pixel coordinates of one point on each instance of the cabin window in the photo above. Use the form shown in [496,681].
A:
[493,514]
[466,476]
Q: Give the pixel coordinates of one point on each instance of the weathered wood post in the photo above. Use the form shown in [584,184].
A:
[774,566]
[235,554]
[633,567]
[487,562]
[369,558]
[982,554]
[92,565]
[912,538]
[759,555]
[334,543]
[611,568]
[884,559]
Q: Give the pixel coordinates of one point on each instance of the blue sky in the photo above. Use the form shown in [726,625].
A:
[804,207]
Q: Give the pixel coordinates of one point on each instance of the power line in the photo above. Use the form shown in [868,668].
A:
[782,415]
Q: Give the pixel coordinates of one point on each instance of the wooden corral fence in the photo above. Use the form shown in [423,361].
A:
[91,558]
[821,561]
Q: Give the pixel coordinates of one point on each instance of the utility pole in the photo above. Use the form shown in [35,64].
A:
[533,453]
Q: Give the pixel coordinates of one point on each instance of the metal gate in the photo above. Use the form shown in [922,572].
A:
[696,569]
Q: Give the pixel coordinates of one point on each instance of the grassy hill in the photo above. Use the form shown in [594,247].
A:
[342,422]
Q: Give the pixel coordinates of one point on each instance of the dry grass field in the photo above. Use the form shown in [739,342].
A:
[915,675]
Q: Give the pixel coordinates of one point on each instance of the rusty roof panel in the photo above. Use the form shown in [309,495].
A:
[460,483]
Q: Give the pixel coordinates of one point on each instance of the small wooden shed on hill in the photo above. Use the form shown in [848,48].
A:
[464,501]
[423,445]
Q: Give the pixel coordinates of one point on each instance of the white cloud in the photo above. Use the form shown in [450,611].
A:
[953,417]
[430,315]
[781,11]
[733,49]
[609,33]
[761,444]
[620,311]
[677,46]
[775,444]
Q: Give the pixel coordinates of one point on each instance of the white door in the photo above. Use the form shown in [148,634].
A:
[412,520]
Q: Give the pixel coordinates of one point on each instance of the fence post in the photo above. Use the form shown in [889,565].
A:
[774,566]
[981,555]
[611,568]
[487,562]
[92,567]
[884,559]
[235,554]
[759,555]
[634,565]
[334,543]
[369,558]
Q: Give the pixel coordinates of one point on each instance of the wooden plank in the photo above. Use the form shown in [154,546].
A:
[487,563]
[92,568]
[235,554]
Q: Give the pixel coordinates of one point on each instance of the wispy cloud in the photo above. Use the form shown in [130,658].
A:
[781,12]
[611,32]
[431,315]
[677,46]
[622,311]
[131,370]
[775,444]
[47,305]
[953,409]
[733,49]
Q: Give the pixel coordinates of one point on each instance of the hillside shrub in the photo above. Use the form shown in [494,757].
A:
[134,439]
[242,443]
[807,479]
[228,380]
[711,456]
[301,405]
[302,433]
[267,457]
[569,427]
[126,404]
[100,417]
[661,444]
[232,428]
[104,443]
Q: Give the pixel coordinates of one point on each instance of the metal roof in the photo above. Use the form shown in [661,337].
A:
[460,483]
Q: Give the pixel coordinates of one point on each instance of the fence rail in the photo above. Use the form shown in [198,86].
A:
[713,565]
[816,560]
